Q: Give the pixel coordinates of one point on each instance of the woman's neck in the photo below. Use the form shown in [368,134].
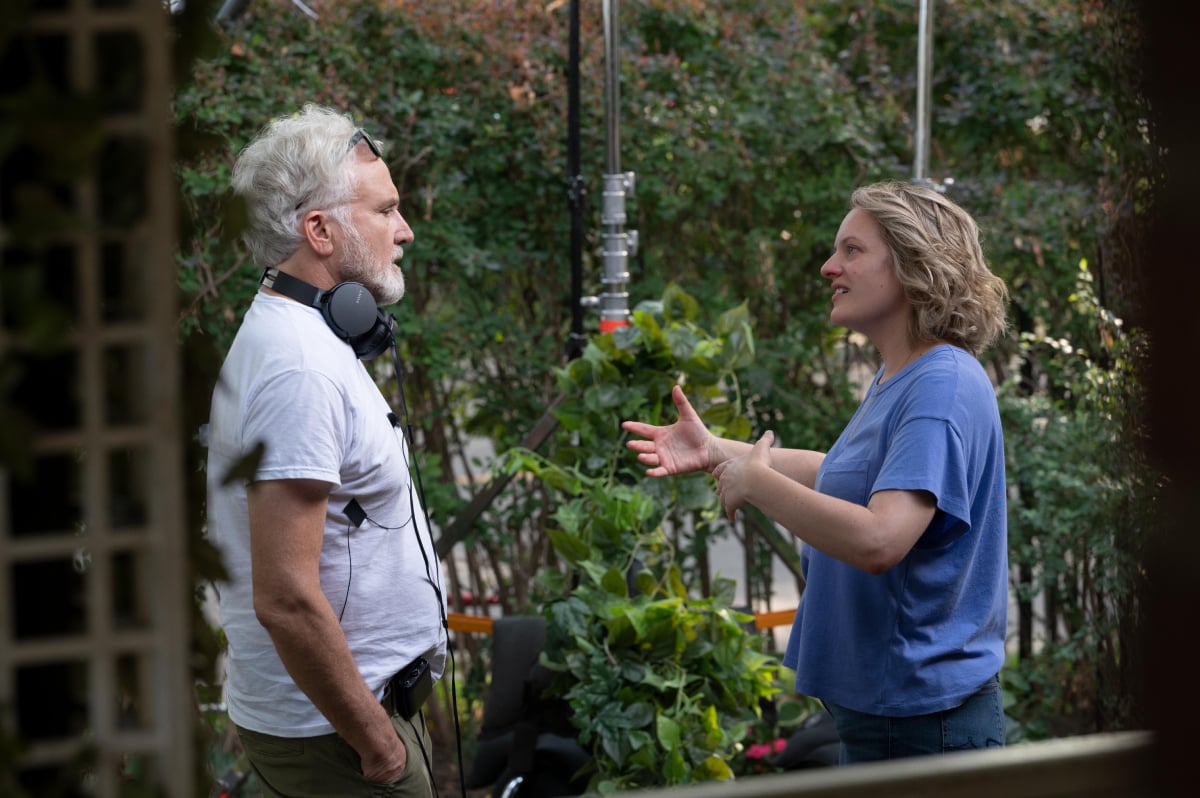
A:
[900,356]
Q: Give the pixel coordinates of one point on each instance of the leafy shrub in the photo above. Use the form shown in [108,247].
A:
[663,684]
[1081,512]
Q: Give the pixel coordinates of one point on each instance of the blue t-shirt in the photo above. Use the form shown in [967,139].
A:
[929,632]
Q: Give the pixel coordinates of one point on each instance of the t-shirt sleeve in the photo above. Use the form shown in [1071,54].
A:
[299,417]
[928,454]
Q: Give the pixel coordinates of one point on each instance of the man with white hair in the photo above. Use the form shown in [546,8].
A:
[332,602]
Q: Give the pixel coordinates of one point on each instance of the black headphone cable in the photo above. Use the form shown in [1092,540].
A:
[406,432]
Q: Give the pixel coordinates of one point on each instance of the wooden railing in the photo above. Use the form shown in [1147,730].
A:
[1112,765]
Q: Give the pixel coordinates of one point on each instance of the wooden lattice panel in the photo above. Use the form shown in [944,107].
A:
[94,627]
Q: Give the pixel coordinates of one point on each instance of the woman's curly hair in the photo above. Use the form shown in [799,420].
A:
[936,253]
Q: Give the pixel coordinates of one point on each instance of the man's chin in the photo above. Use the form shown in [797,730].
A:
[390,293]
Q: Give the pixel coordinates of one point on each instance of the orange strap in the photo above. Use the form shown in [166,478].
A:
[767,620]
[461,622]
[482,624]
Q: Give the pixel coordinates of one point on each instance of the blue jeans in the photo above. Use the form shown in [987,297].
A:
[976,723]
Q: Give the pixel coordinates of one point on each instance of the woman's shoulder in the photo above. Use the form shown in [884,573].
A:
[950,361]
[947,377]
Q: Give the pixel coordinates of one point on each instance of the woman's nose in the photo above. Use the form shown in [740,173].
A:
[830,269]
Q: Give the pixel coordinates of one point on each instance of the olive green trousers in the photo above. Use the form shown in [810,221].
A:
[326,766]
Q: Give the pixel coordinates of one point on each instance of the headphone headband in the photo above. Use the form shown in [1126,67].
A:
[292,287]
[348,308]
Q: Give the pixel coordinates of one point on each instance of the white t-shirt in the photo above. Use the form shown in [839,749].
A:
[290,384]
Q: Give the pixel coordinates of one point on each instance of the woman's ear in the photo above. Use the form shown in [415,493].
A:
[317,232]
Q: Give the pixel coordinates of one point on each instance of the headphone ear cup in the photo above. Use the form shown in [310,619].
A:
[349,310]
[376,341]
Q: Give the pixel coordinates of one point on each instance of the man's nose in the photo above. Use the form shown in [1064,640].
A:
[404,233]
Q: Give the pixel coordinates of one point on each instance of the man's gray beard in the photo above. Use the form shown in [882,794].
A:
[385,281]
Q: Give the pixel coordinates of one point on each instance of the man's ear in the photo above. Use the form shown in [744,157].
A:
[317,232]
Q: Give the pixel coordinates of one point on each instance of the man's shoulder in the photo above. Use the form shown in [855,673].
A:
[278,335]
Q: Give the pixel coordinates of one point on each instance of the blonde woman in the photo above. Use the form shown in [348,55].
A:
[900,630]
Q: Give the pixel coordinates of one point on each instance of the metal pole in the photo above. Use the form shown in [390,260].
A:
[612,86]
[924,78]
[575,189]
[619,244]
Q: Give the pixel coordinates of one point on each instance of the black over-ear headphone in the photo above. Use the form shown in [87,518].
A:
[348,309]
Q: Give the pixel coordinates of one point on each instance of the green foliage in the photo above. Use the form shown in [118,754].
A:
[663,685]
[743,169]
[1038,120]
[1081,512]
[747,124]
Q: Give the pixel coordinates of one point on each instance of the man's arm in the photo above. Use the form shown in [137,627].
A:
[287,523]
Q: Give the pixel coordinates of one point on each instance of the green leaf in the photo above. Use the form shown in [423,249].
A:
[739,348]
[695,492]
[733,320]
[683,342]
[713,769]
[646,584]
[789,713]
[621,633]
[608,787]
[678,305]
[614,582]
[651,679]
[634,672]
[604,396]
[675,769]
[573,548]
[653,339]
[246,467]
[675,582]
[571,618]
[638,715]
[641,741]
[595,574]
[668,732]
[572,516]
[636,617]
[723,590]
[712,727]
[703,370]
[616,746]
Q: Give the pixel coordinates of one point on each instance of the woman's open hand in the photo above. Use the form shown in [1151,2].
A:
[678,448]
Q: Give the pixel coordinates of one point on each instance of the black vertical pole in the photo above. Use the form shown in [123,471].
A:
[575,341]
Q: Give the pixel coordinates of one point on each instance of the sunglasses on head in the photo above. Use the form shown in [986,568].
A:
[361,135]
